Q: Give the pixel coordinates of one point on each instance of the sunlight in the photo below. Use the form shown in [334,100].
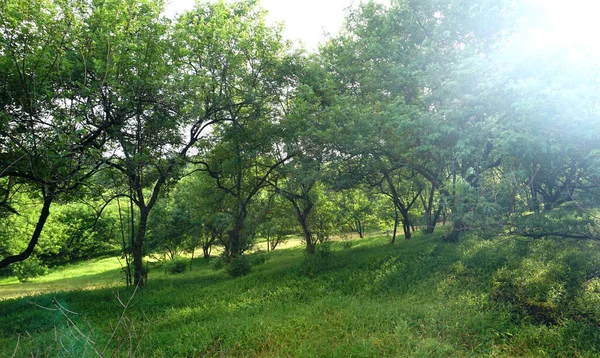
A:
[306,21]
[570,26]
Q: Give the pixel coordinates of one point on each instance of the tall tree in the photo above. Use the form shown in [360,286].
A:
[54,75]
[244,60]
[399,68]
[307,125]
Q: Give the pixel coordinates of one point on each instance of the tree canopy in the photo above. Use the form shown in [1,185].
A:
[415,113]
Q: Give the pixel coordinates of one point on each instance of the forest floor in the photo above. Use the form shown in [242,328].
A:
[501,297]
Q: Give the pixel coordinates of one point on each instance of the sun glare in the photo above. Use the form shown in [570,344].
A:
[571,26]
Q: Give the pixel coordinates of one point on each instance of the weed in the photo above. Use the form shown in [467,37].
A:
[318,262]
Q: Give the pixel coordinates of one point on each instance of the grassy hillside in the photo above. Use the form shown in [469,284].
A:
[363,298]
[97,273]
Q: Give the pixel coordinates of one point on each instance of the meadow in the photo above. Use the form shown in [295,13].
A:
[422,297]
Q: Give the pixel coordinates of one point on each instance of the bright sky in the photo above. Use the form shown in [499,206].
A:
[305,20]
[569,24]
[572,25]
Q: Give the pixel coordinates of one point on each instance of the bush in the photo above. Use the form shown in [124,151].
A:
[258,259]
[238,266]
[317,263]
[179,265]
[219,263]
[30,268]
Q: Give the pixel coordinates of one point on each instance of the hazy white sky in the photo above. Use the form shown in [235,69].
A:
[571,26]
[568,24]
[305,20]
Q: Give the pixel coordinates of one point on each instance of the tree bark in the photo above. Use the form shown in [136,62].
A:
[45,212]
[236,236]
[396,220]
[310,243]
[138,249]
[206,251]
[406,227]
[359,228]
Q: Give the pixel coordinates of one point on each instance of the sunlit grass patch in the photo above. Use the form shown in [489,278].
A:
[92,274]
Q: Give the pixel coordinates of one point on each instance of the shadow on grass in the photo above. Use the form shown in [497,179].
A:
[421,296]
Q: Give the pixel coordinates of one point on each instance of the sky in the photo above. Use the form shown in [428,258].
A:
[569,24]
[305,20]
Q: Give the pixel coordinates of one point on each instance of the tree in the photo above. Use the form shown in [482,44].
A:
[356,209]
[244,147]
[279,221]
[186,79]
[545,102]
[202,208]
[399,70]
[304,124]
[54,74]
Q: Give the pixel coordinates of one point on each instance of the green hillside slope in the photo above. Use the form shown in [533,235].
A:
[363,298]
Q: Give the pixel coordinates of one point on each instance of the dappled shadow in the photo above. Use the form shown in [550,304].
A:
[444,291]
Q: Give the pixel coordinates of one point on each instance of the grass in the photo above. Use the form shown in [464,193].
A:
[417,298]
[92,274]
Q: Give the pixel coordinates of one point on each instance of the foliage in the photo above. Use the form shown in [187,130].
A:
[238,266]
[51,131]
[437,105]
[72,233]
[219,263]
[178,265]
[258,258]
[28,269]
[240,154]
[317,263]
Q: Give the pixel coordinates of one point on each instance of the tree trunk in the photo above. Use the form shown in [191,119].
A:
[359,228]
[192,259]
[310,243]
[430,216]
[206,251]
[236,235]
[138,249]
[432,220]
[406,224]
[396,221]
[302,216]
[406,228]
[275,241]
[48,198]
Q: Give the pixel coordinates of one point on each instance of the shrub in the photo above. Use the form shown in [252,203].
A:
[219,263]
[317,263]
[238,266]
[258,259]
[178,265]
[588,302]
[532,291]
[30,268]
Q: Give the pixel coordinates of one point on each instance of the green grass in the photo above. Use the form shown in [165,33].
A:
[97,273]
[417,298]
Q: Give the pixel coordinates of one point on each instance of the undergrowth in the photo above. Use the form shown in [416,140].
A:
[503,297]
